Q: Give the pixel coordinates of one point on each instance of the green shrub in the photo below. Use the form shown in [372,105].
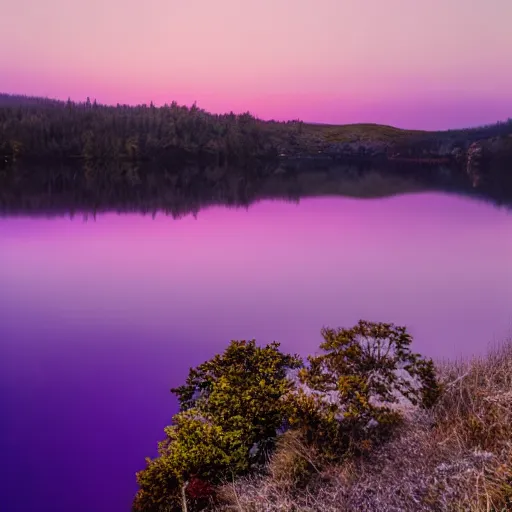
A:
[353,394]
[230,410]
[233,406]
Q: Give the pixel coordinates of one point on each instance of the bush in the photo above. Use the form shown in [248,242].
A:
[230,411]
[440,459]
[233,406]
[353,394]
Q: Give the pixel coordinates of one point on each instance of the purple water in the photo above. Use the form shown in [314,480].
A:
[99,319]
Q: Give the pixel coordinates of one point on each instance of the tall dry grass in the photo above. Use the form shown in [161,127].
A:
[455,457]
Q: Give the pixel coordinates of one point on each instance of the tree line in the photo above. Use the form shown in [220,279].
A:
[40,128]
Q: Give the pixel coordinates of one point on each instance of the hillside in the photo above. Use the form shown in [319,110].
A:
[41,129]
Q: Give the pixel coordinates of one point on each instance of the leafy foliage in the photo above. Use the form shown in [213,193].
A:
[349,395]
[231,409]
[233,406]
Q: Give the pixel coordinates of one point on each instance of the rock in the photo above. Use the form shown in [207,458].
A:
[474,162]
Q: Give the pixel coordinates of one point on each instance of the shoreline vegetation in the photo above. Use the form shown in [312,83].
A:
[90,156]
[365,425]
[456,456]
[42,129]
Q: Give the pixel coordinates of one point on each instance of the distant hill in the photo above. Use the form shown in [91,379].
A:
[42,129]
[333,131]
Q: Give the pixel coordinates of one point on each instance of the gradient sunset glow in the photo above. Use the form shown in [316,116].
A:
[417,64]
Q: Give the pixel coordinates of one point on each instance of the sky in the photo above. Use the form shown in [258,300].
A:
[428,64]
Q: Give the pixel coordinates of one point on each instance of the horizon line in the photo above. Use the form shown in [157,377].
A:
[226,113]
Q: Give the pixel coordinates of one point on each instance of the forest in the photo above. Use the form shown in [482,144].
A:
[42,129]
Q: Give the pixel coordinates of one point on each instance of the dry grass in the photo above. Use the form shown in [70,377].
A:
[360,132]
[456,457]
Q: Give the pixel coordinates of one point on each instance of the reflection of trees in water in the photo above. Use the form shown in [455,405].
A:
[179,191]
[495,184]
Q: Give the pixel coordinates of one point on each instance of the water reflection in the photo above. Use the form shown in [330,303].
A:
[37,190]
[99,319]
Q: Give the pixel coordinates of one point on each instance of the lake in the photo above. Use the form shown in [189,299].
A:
[100,317]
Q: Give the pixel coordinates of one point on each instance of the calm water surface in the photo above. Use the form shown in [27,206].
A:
[99,319]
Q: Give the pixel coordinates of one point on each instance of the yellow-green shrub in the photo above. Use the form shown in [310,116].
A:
[231,409]
[351,395]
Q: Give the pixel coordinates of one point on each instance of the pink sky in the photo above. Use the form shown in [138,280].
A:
[418,64]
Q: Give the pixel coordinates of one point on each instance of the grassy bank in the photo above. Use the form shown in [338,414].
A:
[363,425]
[455,456]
